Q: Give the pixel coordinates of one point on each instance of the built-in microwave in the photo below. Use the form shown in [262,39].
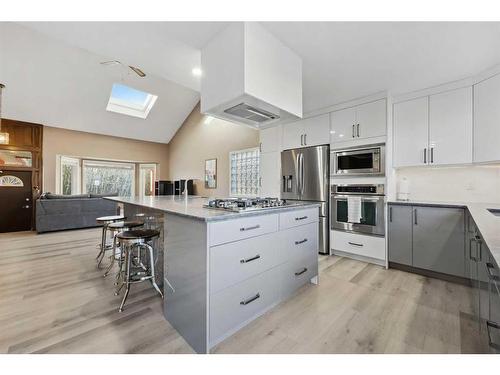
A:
[358,161]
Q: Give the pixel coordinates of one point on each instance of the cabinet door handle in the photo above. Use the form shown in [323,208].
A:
[357,131]
[301,242]
[250,300]
[301,218]
[355,244]
[260,147]
[480,250]
[305,139]
[353,130]
[390,214]
[249,228]
[415,214]
[470,249]
[432,154]
[425,155]
[248,260]
[301,272]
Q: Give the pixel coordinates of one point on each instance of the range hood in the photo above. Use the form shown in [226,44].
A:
[250,77]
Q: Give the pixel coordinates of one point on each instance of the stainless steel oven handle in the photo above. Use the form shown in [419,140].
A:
[355,244]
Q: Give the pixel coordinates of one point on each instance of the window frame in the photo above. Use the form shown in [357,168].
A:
[59,171]
[109,163]
[143,166]
[258,173]
[125,107]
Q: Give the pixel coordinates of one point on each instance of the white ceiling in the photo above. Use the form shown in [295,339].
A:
[341,61]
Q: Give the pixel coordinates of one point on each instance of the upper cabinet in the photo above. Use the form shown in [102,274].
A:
[411,134]
[487,120]
[270,139]
[311,131]
[450,127]
[434,130]
[363,121]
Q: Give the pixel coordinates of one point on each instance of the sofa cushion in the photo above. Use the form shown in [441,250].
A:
[103,195]
[60,196]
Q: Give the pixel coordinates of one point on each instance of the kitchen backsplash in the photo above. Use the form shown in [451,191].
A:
[479,183]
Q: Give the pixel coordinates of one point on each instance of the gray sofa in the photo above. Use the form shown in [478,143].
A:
[60,212]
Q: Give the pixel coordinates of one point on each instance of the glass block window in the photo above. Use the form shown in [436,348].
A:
[244,172]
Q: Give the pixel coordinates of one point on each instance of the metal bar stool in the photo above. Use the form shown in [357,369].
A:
[115,228]
[135,271]
[105,221]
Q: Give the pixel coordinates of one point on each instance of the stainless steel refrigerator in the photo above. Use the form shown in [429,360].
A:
[305,177]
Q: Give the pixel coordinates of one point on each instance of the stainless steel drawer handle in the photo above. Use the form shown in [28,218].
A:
[301,241]
[250,259]
[301,218]
[355,244]
[250,300]
[249,228]
[301,272]
[492,325]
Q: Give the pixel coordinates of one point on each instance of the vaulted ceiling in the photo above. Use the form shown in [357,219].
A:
[53,75]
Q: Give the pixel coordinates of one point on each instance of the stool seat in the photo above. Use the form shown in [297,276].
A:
[138,234]
[104,219]
[125,224]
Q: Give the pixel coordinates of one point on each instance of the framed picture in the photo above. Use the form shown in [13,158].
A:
[211,173]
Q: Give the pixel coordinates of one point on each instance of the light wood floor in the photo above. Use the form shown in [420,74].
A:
[53,300]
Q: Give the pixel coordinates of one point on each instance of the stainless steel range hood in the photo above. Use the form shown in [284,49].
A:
[250,77]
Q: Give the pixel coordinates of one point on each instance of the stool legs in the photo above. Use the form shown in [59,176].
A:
[128,260]
[152,265]
[113,256]
[103,241]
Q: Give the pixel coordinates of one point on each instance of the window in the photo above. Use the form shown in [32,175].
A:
[244,172]
[69,176]
[147,177]
[100,177]
[15,158]
[129,101]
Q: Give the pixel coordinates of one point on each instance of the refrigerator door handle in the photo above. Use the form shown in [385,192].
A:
[297,173]
[301,174]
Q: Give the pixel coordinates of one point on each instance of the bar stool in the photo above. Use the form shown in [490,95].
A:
[105,221]
[135,271]
[149,221]
[115,228]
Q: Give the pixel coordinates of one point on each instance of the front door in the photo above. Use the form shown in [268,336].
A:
[16,201]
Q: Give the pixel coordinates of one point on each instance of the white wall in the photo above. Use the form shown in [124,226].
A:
[479,183]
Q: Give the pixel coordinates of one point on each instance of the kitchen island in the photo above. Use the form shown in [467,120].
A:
[222,269]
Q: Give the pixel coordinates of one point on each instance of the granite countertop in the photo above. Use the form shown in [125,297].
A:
[487,223]
[193,207]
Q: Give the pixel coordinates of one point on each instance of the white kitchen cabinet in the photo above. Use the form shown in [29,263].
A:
[311,131]
[411,132]
[487,120]
[270,176]
[342,125]
[364,121]
[450,127]
[270,139]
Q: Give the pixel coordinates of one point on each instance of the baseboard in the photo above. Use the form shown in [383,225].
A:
[362,258]
[433,274]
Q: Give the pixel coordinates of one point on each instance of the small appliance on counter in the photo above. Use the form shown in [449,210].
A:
[246,204]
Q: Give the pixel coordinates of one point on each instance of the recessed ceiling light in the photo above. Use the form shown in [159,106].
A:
[196,72]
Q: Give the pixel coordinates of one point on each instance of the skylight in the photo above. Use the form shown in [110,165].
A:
[129,101]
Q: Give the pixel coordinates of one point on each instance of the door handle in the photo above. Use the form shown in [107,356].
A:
[260,147]
[301,218]
[250,259]
[304,270]
[415,216]
[249,228]
[470,250]
[353,130]
[302,139]
[390,214]
[305,139]
[425,155]
[432,154]
[247,301]
[355,244]
[301,241]
[357,131]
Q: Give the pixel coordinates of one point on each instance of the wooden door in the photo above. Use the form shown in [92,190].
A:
[16,201]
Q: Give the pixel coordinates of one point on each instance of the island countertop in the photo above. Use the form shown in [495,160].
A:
[192,207]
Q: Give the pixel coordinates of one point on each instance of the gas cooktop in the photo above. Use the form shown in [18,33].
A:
[246,204]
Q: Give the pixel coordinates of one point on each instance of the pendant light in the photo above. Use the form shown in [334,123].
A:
[4,137]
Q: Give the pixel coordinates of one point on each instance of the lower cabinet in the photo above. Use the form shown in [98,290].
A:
[251,275]
[493,322]
[429,238]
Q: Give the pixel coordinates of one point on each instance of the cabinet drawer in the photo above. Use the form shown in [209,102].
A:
[298,217]
[238,229]
[237,261]
[297,273]
[358,244]
[233,307]
[300,243]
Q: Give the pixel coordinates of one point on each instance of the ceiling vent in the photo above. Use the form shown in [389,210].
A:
[249,77]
